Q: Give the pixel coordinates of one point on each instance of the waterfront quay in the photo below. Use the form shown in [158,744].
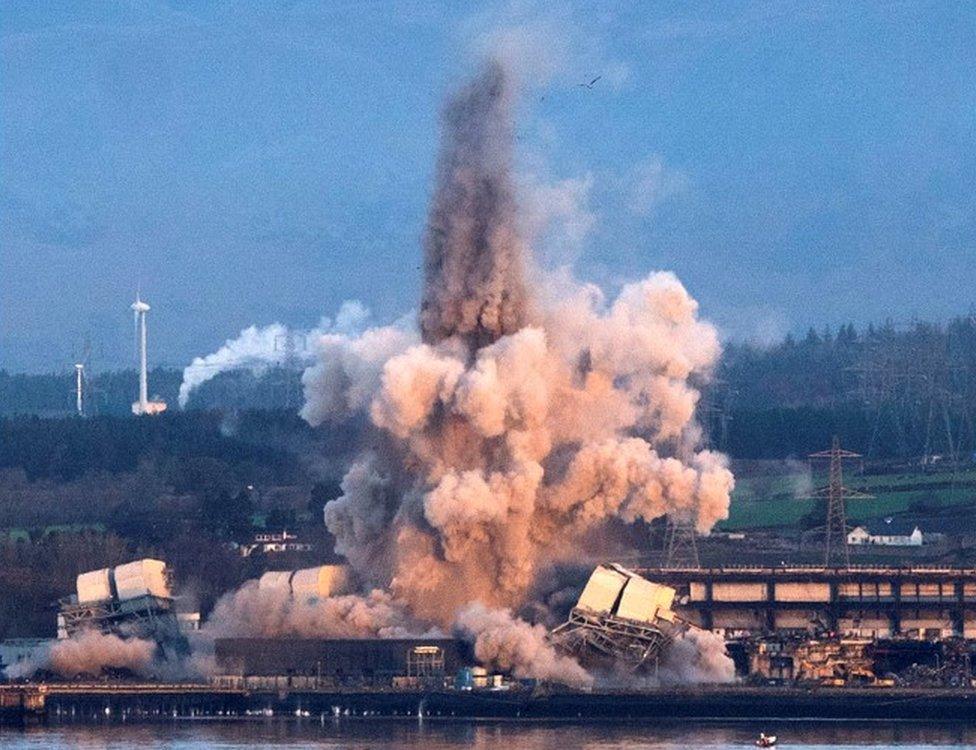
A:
[727,703]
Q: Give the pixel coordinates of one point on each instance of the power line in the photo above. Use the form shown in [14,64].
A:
[836,550]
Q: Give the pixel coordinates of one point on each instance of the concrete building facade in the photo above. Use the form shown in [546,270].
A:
[872,602]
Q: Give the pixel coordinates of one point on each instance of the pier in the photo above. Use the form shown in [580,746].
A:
[728,703]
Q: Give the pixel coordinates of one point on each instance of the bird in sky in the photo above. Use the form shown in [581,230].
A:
[590,84]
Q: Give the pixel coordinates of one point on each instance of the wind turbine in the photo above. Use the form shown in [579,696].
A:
[143,405]
[79,384]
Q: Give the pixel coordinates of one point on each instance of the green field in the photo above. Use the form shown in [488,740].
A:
[772,501]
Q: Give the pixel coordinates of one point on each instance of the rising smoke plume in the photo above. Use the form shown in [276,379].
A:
[258,348]
[696,656]
[513,429]
[474,256]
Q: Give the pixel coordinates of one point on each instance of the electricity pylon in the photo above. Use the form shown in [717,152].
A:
[836,551]
[680,547]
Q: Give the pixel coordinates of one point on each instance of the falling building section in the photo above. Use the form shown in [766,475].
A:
[131,600]
[620,618]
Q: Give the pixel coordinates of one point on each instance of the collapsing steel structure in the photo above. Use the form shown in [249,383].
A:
[131,600]
[620,618]
[144,617]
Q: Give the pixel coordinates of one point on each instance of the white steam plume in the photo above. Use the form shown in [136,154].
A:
[258,348]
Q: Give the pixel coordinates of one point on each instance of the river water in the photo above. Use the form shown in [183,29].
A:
[372,735]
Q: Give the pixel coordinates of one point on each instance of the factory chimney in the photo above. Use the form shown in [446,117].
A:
[144,405]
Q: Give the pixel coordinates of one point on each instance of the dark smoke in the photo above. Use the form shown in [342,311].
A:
[474,258]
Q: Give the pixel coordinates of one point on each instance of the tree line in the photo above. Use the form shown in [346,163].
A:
[891,391]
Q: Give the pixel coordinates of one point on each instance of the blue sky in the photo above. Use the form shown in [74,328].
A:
[245,162]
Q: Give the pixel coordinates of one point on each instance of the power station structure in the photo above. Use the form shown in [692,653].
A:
[620,618]
[130,600]
[910,603]
[309,583]
[144,405]
[320,663]
[329,663]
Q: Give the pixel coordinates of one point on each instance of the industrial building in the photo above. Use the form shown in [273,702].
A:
[325,663]
[620,617]
[843,661]
[134,599]
[309,583]
[310,664]
[872,602]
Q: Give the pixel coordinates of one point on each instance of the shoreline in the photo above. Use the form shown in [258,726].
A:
[701,704]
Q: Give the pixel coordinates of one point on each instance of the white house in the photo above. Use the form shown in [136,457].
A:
[889,533]
[272,542]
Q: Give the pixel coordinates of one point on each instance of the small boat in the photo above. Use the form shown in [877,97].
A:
[766,740]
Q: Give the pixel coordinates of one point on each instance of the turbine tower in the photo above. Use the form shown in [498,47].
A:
[144,405]
[79,382]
